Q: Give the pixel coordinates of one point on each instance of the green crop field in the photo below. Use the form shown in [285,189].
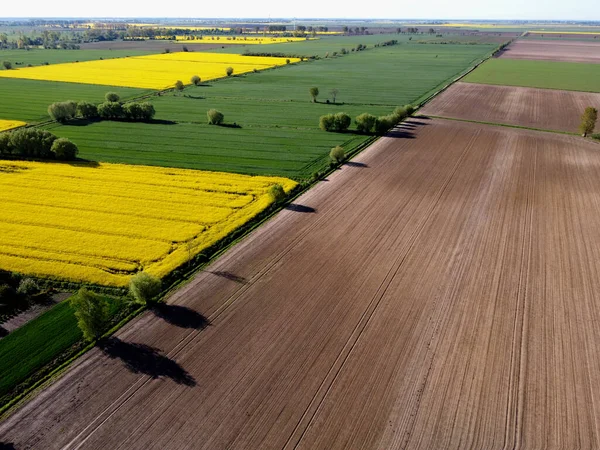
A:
[279,132]
[539,74]
[36,57]
[28,100]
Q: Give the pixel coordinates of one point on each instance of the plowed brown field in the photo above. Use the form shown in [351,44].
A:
[528,107]
[439,292]
[554,50]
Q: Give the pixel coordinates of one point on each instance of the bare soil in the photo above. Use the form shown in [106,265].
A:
[528,107]
[554,50]
[438,292]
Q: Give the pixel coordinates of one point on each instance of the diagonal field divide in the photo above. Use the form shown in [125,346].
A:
[436,292]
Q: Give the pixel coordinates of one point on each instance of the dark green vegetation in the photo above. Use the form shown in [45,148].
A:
[28,100]
[36,143]
[570,76]
[36,57]
[278,124]
[37,343]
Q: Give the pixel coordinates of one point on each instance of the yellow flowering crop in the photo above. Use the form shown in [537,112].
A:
[10,124]
[241,40]
[101,224]
[151,71]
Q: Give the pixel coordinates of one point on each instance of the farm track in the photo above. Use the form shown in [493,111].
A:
[436,292]
[554,50]
[547,109]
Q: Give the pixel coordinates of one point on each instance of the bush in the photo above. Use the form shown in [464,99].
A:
[132,111]
[91,311]
[148,110]
[195,80]
[5,148]
[64,150]
[144,288]
[365,123]
[277,193]
[326,122]
[31,142]
[384,123]
[112,97]
[215,117]
[410,109]
[401,113]
[62,111]
[87,110]
[110,110]
[341,122]
[28,287]
[179,85]
[229,71]
[337,154]
[7,65]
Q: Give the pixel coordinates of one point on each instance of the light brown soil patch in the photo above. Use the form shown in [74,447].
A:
[545,109]
[554,50]
[438,293]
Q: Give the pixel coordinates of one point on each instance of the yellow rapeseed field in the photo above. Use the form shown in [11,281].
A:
[103,223]
[10,124]
[240,40]
[159,71]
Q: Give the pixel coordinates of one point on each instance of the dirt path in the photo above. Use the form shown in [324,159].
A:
[438,292]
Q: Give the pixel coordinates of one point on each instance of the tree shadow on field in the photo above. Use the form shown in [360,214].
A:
[143,359]
[356,164]
[300,208]
[405,130]
[7,446]
[229,276]
[180,316]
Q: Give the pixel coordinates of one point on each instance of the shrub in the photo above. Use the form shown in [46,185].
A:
[132,111]
[384,123]
[144,288]
[401,113]
[215,117]
[326,122]
[365,123]
[91,311]
[410,109]
[5,148]
[87,110]
[31,142]
[28,287]
[337,154]
[110,110]
[277,193]
[147,110]
[341,121]
[195,80]
[7,65]
[229,71]
[112,97]
[314,93]
[179,85]
[62,111]
[64,150]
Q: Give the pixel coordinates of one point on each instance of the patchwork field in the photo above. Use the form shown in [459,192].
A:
[462,264]
[103,223]
[568,51]
[148,72]
[541,74]
[10,124]
[239,40]
[527,107]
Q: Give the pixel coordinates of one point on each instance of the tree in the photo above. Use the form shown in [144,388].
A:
[277,193]
[64,149]
[365,122]
[588,121]
[410,109]
[110,110]
[337,154]
[87,110]
[147,110]
[401,113]
[5,148]
[62,111]
[179,85]
[132,111]
[31,142]
[384,123]
[7,65]
[229,71]
[341,121]
[334,93]
[144,288]
[91,311]
[215,117]
[112,97]
[314,93]
[195,80]
[326,122]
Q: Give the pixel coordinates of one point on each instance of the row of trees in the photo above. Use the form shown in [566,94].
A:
[365,123]
[35,143]
[111,109]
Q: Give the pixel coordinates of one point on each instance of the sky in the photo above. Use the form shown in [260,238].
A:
[383,9]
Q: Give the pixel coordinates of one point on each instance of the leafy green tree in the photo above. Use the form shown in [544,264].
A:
[110,110]
[147,110]
[31,142]
[87,110]
[588,121]
[327,122]
[179,85]
[401,113]
[92,313]
[7,65]
[64,149]
[215,117]
[410,109]
[314,93]
[112,97]
[195,80]
[365,123]
[229,71]
[144,288]
[277,193]
[341,122]
[5,148]
[384,123]
[62,111]
[337,154]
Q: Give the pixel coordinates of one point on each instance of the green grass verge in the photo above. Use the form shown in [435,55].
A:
[28,100]
[36,57]
[279,132]
[539,74]
[37,344]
